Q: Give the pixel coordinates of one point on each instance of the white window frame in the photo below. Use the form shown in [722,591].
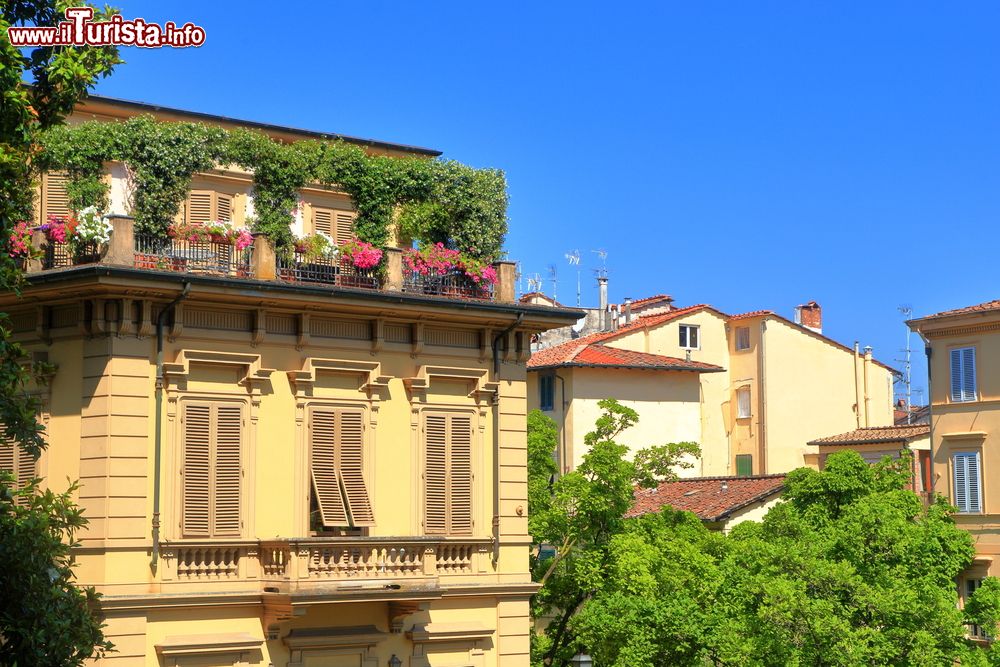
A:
[685,333]
[959,465]
[965,374]
[743,411]
[740,333]
[969,586]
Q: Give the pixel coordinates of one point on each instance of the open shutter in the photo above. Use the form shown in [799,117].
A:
[323,221]
[956,375]
[55,199]
[323,461]
[460,469]
[224,207]
[961,483]
[8,457]
[351,444]
[26,470]
[972,461]
[436,475]
[196,471]
[969,373]
[199,206]
[344,227]
[227,472]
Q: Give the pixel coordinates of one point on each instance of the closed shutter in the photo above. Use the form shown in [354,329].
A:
[966,482]
[8,458]
[199,206]
[20,464]
[345,226]
[323,221]
[55,199]
[351,467]
[744,465]
[448,474]
[963,374]
[212,471]
[224,207]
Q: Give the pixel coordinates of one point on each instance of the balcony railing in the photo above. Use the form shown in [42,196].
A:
[296,563]
[261,262]
[301,268]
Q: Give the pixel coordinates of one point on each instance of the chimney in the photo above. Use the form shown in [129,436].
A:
[628,310]
[810,315]
[602,289]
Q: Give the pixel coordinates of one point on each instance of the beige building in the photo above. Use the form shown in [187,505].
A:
[280,470]
[963,352]
[752,389]
[874,443]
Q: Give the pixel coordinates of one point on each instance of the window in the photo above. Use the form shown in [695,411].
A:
[212,469]
[963,374]
[448,474]
[742,338]
[337,224]
[336,461]
[546,392]
[743,403]
[966,476]
[744,465]
[689,336]
[54,198]
[207,205]
[972,584]
[19,463]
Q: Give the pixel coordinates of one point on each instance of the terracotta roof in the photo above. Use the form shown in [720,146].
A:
[528,296]
[919,414]
[595,355]
[752,313]
[871,435]
[984,307]
[651,299]
[706,497]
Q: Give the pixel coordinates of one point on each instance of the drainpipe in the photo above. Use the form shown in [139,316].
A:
[496,439]
[868,400]
[562,428]
[932,476]
[762,425]
[857,389]
[161,320]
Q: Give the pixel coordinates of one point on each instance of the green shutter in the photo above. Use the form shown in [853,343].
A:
[744,465]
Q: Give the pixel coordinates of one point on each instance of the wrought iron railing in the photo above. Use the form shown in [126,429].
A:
[56,255]
[455,284]
[184,255]
[301,268]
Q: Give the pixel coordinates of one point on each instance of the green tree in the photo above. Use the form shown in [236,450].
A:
[851,569]
[575,517]
[44,619]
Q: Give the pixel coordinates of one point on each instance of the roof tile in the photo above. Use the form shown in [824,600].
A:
[871,435]
[711,498]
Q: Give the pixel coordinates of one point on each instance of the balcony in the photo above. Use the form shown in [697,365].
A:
[260,262]
[319,564]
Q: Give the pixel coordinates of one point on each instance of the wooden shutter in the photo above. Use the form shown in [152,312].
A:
[744,465]
[436,475]
[212,472]
[196,472]
[448,474]
[969,373]
[966,481]
[228,469]
[8,457]
[199,206]
[224,207]
[345,226]
[323,455]
[351,444]
[323,221]
[55,200]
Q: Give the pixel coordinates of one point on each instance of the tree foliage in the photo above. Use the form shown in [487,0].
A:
[44,619]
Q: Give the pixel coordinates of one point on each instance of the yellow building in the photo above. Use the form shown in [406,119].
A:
[752,389]
[963,353]
[282,472]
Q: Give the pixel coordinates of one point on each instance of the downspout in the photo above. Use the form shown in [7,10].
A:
[496,438]
[160,322]
[562,428]
[867,366]
[931,475]
[857,389]
[762,426]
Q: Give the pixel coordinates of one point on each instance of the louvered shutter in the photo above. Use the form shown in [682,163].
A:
[199,206]
[323,453]
[224,207]
[345,226]
[969,374]
[436,475]
[26,470]
[350,448]
[966,481]
[196,494]
[323,221]
[227,471]
[7,457]
[55,199]
[460,473]
[956,375]
[972,463]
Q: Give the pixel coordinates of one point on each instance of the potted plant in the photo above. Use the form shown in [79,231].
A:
[19,244]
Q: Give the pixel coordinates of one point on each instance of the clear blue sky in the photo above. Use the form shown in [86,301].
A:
[747,155]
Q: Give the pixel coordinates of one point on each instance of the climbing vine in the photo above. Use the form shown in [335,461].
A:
[431,201]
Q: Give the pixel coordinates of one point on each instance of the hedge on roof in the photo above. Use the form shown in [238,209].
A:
[431,200]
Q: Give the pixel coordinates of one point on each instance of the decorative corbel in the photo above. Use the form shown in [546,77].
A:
[98,324]
[42,321]
[303,339]
[486,344]
[177,322]
[398,611]
[259,327]
[523,345]
[126,323]
[146,328]
[83,319]
[378,335]
[418,338]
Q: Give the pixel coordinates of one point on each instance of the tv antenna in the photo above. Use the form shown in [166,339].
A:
[535,283]
[573,257]
[602,254]
[906,310]
[552,277]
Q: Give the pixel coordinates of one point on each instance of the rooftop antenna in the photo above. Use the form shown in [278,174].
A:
[906,310]
[573,257]
[552,277]
[518,273]
[534,283]
[603,255]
